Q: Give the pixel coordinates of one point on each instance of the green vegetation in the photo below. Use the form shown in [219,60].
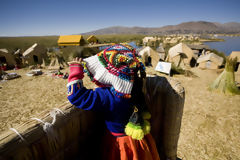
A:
[118,38]
[13,43]
[189,41]
[77,51]
[179,70]
[50,42]
[176,70]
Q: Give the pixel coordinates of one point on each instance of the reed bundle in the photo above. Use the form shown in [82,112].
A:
[77,134]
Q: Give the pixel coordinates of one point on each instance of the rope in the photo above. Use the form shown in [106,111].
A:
[175,86]
[39,120]
[59,110]
[14,130]
[178,83]
[47,127]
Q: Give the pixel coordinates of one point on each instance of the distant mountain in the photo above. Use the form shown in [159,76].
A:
[199,27]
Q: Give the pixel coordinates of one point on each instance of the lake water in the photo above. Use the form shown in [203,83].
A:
[133,44]
[230,44]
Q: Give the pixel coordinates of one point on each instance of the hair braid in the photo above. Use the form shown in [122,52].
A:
[138,125]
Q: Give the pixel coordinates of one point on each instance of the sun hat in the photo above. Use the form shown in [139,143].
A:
[114,67]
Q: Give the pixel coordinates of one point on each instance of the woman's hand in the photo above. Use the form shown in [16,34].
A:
[75,61]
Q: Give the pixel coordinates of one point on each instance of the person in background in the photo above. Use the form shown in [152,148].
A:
[4,67]
[16,67]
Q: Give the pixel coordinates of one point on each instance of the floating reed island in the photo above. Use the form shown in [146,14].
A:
[67,132]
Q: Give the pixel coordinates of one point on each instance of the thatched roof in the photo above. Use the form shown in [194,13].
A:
[148,51]
[211,57]
[160,49]
[34,54]
[17,51]
[181,48]
[29,50]
[10,60]
[4,50]
[235,54]
[92,38]
[69,40]
[147,39]
[173,40]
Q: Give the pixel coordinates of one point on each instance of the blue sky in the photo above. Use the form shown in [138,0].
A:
[55,17]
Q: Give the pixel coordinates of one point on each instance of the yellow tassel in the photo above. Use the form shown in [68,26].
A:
[146,115]
[146,127]
[138,134]
[134,131]
[128,130]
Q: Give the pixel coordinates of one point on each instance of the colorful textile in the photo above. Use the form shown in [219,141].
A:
[76,71]
[115,110]
[114,67]
[113,70]
[126,148]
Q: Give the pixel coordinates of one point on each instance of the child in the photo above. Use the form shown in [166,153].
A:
[119,98]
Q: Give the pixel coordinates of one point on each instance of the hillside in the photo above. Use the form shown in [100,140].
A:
[200,27]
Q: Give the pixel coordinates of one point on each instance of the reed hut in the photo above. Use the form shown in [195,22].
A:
[148,39]
[70,133]
[71,40]
[210,61]
[198,46]
[161,52]
[57,63]
[236,54]
[181,55]
[7,58]
[173,40]
[198,49]
[34,55]
[92,39]
[149,52]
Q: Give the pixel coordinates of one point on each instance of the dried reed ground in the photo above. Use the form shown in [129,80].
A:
[210,125]
[26,97]
[211,121]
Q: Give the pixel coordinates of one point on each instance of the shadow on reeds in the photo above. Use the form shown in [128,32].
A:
[179,71]
[165,99]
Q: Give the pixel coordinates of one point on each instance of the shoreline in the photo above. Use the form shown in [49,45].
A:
[211,40]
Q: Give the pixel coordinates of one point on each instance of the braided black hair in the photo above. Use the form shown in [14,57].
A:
[137,98]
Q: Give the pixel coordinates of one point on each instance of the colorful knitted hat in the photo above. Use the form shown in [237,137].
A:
[114,67]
